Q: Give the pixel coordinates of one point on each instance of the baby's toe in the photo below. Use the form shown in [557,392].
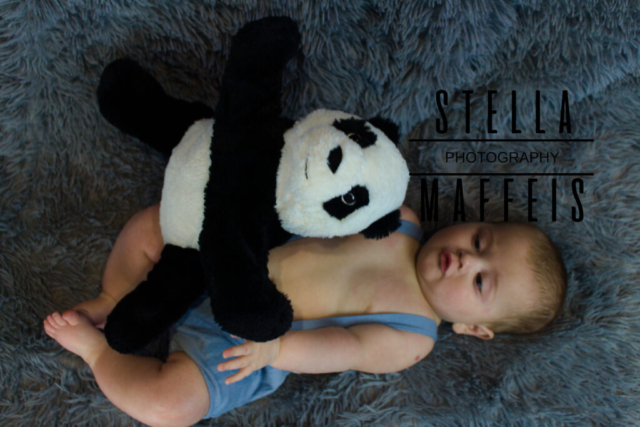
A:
[52,323]
[71,316]
[58,319]
[50,330]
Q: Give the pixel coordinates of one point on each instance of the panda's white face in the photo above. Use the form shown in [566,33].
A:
[337,175]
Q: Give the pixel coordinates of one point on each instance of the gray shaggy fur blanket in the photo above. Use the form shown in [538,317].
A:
[69,181]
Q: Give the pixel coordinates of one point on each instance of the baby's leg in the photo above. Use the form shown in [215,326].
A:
[172,393]
[155,393]
[136,250]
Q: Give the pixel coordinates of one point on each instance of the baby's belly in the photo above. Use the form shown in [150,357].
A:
[344,276]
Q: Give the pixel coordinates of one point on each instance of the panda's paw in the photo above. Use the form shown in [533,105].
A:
[256,318]
[126,332]
[264,46]
[125,90]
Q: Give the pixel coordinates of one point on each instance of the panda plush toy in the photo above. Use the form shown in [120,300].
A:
[240,183]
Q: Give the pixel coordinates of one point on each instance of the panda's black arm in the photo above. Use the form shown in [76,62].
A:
[252,82]
[234,254]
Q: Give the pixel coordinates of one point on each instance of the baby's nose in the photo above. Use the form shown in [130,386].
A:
[465,259]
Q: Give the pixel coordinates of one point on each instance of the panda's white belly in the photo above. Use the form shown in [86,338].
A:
[185,179]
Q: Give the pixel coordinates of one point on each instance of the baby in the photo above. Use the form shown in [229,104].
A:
[368,305]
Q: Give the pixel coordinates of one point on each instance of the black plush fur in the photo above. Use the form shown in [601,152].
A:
[241,224]
[389,128]
[342,206]
[158,302]
[134,102]
[380,228]
[357,130]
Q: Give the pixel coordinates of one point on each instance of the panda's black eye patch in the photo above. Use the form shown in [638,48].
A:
[335,157]
[356,130]
[345,204]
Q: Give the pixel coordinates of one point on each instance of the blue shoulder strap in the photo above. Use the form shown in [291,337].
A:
[405,322]
[406,227]
[294,237]
[411,230]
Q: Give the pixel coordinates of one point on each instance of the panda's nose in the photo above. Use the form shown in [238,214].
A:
[334,159]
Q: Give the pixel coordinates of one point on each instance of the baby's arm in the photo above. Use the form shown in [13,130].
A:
[318,351]
[366,348]
[385,349]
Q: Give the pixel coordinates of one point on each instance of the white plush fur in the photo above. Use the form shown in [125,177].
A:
[186,176]
[380,167]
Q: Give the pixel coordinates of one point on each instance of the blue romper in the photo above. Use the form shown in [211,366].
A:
[200,337]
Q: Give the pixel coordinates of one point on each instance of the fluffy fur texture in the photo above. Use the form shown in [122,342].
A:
[220,188]
[367,159]
[69,181]
[186,176]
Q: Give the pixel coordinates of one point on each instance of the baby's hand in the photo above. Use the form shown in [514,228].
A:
[252,356]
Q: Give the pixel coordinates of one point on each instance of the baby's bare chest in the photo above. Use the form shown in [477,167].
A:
[347,276]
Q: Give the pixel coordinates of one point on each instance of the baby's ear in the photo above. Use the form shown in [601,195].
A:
[388,127]
[479,331]
[383,226]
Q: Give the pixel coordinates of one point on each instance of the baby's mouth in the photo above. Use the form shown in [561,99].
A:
[445,261]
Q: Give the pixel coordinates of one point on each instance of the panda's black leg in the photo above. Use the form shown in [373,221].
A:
[133,101]
[173,284]
[252,82]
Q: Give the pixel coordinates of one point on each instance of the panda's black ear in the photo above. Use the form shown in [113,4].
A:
[388,127]
[383,226]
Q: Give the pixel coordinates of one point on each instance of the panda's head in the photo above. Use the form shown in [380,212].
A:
[340,175]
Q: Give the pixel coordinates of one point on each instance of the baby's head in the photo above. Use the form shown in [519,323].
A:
[492,277]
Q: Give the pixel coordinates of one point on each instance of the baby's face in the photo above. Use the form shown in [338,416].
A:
[476,273]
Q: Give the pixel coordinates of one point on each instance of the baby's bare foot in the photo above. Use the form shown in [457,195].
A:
[75,332]
[97,309]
